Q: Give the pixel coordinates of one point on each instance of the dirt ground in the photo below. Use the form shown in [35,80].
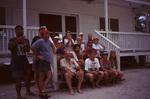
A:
[135,86]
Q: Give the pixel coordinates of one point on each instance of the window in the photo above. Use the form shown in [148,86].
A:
[70,23]
[2,16]
[113,24]
[52,22]
[102,24]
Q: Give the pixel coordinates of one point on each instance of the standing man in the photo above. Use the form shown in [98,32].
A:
[34,56]
[19,63]
[40,35]
[92,70]
[42,49]
[71,69]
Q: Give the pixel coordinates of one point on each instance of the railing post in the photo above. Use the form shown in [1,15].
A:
[24,18]
[55,75]
[118,58]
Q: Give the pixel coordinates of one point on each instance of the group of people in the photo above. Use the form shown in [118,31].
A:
[79,59]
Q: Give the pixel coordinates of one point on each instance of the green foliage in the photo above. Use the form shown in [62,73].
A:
[140,24]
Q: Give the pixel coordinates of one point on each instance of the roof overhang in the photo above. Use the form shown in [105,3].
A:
[138,6]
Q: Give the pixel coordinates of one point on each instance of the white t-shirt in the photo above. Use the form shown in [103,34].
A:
[70,46]
[91,65]
[98,46]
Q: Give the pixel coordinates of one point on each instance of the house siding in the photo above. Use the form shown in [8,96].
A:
[88,13]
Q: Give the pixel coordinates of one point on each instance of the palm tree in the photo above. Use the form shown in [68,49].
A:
[140,24]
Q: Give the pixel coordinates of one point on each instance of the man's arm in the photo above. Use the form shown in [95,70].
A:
[36,53]
[15,42]
[26,46]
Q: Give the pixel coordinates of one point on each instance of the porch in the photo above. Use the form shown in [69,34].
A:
[128,43]
[124,43]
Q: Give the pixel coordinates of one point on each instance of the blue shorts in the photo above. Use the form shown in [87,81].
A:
[21,73]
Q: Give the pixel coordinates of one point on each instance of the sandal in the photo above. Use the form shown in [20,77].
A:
[44,95]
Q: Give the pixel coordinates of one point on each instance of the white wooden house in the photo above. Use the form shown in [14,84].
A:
[87,16]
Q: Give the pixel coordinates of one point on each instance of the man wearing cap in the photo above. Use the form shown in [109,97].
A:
[19,46]
[89,48]
[34,66]
[39,36]
[99,48]
[42,49]
[71,69]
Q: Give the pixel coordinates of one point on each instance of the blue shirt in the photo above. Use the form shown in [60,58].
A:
[106,67]
[19,59]
[44,49]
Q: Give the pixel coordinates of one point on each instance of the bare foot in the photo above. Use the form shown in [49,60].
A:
[108,85]
[30,93]
[93,86]
[79,91]
[37,90]
[19,97]
[72,93]
[98,86]
[117,82]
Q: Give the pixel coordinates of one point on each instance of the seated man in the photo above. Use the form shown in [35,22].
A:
[88,49]
[71,69]
[99,47]
[77,55]
[92,70]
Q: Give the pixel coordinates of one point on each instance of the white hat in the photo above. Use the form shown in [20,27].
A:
[80,33]
[43,27]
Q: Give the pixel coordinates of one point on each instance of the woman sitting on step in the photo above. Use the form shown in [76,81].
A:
[109,74]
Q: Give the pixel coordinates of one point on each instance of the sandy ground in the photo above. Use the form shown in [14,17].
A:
[135,86]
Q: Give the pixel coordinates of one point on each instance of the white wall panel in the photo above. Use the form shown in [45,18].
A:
[87,24]
[93,11]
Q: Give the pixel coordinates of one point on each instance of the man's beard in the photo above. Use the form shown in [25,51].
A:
[77,51]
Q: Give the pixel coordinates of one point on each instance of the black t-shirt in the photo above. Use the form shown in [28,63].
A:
[19,59]
[35,39]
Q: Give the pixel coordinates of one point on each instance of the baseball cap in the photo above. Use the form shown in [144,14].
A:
[104,53]
[44,31]
[56,37]
[95,39]
[80,33]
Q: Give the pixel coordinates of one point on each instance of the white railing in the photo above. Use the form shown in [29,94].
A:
[129,40]
[110,46]
[7,32]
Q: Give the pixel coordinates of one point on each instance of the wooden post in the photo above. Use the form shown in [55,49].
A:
[24,18]
[118,58]
[106,21]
